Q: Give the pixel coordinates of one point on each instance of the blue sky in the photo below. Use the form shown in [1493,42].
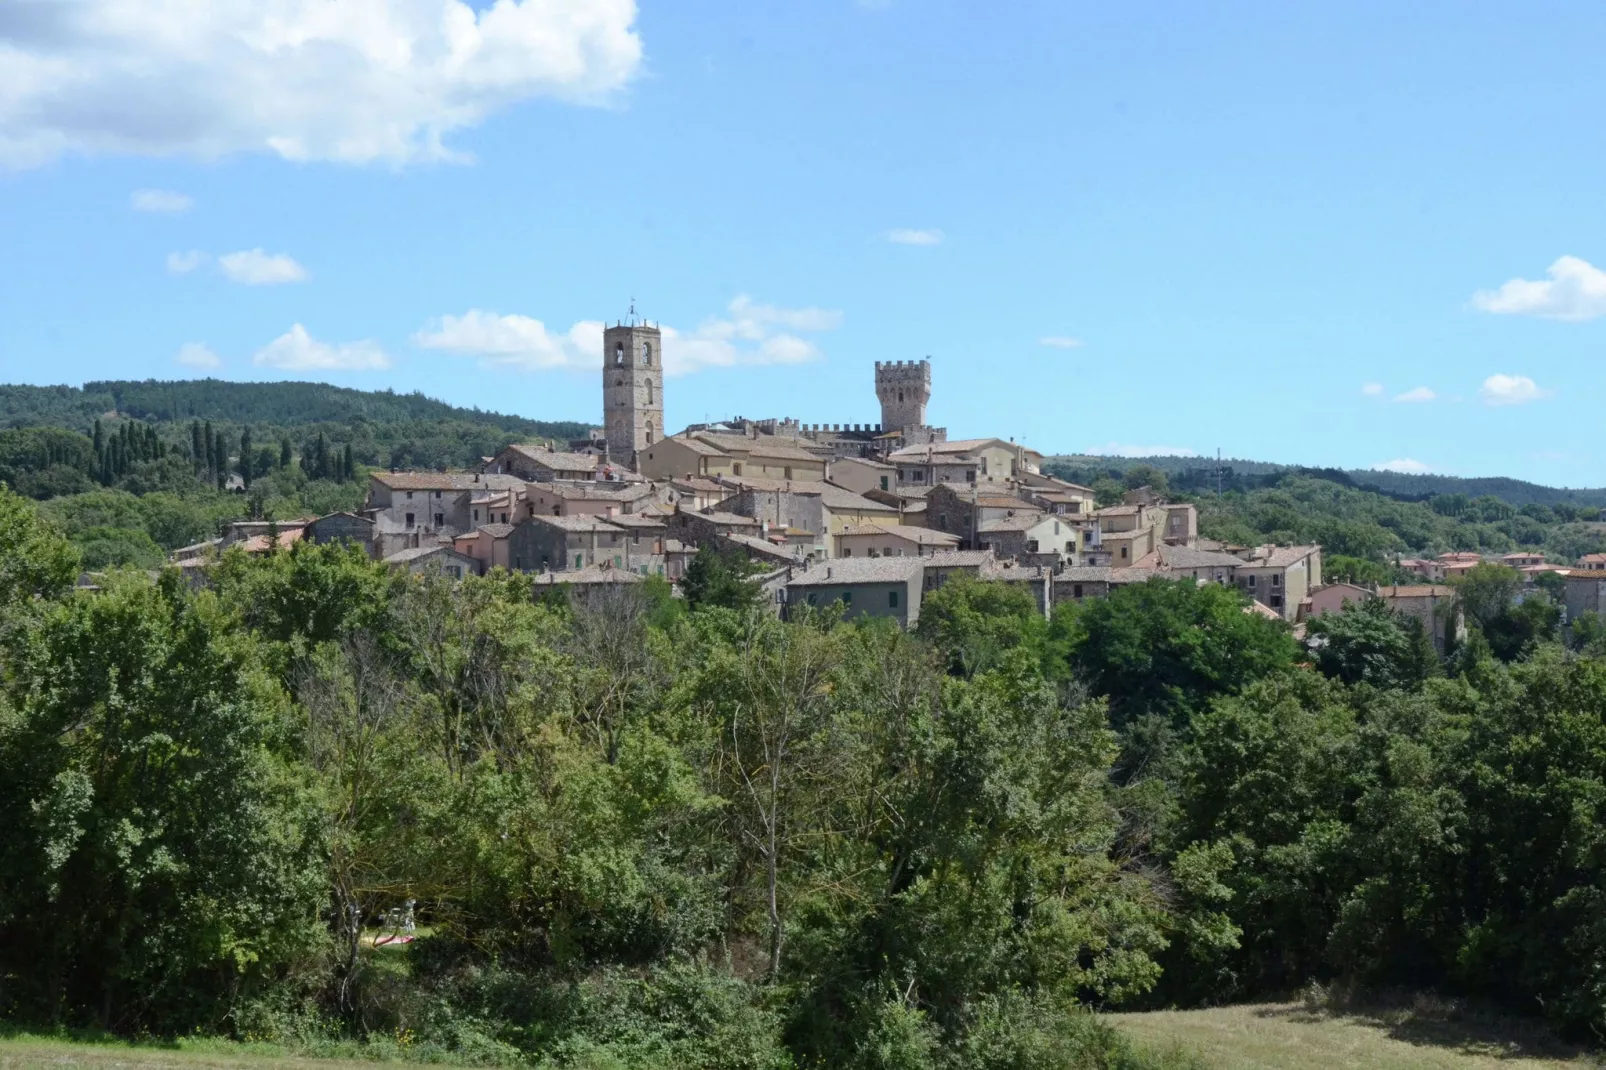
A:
[1348,237]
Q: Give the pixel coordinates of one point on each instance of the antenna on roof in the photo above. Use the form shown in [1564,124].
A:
[632,312]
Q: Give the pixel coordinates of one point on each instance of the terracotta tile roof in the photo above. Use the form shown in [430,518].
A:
[591,575]
[1019,522]
[848,570]
[1431,590]
[1104,574]
[578,522]
[958,559]
[413,553]
[557,462]
[259,544]
[446,481]
[496,531]
[1189,557]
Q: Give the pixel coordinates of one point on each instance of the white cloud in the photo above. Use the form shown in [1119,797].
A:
[750,333]
[905,236]
[159,200]
[184,263]
[257,268]
[1510,390]
[296,350]
[354,81]
[1576,290]
[1403,465]
[1059,341]
[196,355]
[1416,395]
[1117,449]
[515,341]
[1372,390]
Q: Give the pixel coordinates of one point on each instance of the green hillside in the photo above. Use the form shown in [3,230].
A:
[1236,473]
[133,469]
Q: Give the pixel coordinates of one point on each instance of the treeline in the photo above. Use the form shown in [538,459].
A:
[1364,525]
[383,428]
[644,831]
[1202,474]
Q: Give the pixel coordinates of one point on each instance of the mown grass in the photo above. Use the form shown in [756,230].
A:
[30,1051]
[1419,1033]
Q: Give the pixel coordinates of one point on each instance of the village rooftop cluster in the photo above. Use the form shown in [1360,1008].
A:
[869,515]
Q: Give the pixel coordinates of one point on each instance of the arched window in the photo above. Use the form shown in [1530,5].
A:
[618,354]
[649,392]
[646,353]
[649,433]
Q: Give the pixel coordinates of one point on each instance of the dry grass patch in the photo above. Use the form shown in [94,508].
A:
[1320,1032]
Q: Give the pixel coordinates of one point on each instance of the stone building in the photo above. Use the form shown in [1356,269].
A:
[632,389]
[903,388]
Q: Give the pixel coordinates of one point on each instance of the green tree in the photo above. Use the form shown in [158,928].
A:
[245,457]
[1368,642]
[35,561]
[159,867]
[974,623]
[1168,647]
[720,578]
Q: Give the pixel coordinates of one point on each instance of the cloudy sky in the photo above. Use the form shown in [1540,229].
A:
[1366,236]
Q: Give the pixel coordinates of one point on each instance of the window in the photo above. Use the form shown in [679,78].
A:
[646,356]
[476,515]
[504,518]
[883,482]
[440,520]
[736,469]
[1276,580]
[618,354]
[1251,583]
[788,471]
[616,561]
[970,475]
[437,494]
[1076,590]
[1031,546]
[649,392]
[579,560]
[847,551]
[847,598]
[409,495]
[409,519]
[454,571]
[892,599]
[1070,546]
[649,435]
[1276,601]
[1123,553]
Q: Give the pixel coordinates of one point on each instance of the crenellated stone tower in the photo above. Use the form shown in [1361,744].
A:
[904,387]
[632,389]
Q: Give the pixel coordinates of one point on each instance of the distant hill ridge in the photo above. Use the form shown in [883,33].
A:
[1200,473]
[283,404]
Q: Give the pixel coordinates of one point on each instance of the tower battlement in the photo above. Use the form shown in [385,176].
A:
[904,388]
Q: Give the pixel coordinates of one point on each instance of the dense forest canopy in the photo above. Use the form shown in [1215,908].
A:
[1202,474]
[645,831]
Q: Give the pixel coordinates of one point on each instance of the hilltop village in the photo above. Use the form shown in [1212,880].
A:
[869,515]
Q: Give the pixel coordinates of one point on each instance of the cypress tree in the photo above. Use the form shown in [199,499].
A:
[209,447]
[245,457]
[197,446]
[285,456]
[350,465]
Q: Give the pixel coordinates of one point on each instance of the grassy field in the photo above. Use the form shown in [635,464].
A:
[1418,1035]
[31,1052]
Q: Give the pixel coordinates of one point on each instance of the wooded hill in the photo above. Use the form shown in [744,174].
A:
[1200,474]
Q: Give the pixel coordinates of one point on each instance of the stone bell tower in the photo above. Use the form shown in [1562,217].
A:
[632,388]
[904,387]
